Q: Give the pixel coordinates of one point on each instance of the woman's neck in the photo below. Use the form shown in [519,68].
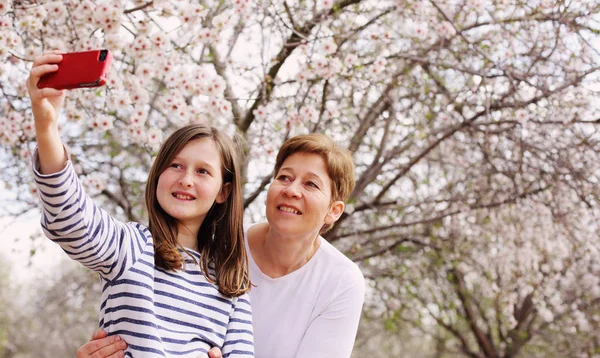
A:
[277,255]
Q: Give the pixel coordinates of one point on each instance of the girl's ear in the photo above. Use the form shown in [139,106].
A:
[336,210]
[224,193]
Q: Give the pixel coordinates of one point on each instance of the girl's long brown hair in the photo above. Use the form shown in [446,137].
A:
[221,236]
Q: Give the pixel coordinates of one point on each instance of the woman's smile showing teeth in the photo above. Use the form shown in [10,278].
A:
[183,196]
[289,210]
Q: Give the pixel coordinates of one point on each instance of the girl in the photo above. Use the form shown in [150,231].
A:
[178,286]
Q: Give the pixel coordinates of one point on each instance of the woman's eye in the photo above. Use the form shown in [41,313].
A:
[313,185]
[283,178]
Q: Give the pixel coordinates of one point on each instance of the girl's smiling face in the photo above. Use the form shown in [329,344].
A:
[191,184]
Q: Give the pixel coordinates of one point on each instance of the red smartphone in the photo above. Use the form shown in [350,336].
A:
[79,70]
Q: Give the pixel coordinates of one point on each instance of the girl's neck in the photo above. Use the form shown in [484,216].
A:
[187,237]
[279,255]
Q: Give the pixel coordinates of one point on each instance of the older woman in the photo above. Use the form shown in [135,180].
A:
[308,295]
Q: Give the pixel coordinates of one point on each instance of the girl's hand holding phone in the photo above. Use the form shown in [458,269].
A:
[46,103]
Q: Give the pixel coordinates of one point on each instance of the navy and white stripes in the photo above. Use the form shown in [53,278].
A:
[158,313]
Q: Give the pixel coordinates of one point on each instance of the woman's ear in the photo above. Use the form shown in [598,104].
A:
[224,193]
[335,211]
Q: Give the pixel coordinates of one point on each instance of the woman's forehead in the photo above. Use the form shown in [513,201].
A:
[309,164]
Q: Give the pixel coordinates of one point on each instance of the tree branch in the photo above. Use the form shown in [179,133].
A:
[293,41]
[485,344]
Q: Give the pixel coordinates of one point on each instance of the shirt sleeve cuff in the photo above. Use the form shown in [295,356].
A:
[36,163]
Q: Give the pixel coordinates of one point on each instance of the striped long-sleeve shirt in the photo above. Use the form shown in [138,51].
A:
[158,313]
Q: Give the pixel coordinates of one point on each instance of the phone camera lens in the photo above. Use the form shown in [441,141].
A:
[103,55]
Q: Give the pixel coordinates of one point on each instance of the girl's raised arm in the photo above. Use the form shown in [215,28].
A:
[70,218]
[46,104]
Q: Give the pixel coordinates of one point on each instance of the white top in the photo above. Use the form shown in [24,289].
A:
[157,312]
[312,312]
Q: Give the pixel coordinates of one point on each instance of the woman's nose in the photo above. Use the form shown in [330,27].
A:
[292,190]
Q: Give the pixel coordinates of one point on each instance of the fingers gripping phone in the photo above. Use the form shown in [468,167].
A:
[79,70]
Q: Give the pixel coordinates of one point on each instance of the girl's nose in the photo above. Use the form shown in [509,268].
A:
[186,180]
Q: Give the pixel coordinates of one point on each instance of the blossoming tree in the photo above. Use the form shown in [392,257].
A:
[472,124]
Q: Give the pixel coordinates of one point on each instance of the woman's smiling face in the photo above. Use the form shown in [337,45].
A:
[299,199]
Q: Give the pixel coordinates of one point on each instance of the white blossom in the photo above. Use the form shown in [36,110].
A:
[260,113]
[328,46]
[102,122]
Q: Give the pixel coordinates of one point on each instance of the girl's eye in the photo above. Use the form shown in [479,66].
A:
[175,165]
[202,171]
